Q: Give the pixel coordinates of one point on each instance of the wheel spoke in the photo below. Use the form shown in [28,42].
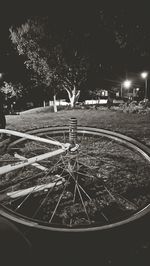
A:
[58,202]
[87,166]
[76,183]
[119,199]
[75,191]
[82,201]
[46,198]
[25,199]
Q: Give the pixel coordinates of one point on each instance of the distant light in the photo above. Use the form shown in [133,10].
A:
[144,75]
[1,74]
[127,83]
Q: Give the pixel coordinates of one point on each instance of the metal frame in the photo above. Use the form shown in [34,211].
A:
[24,162]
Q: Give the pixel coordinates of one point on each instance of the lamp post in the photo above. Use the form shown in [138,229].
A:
[144,75]
[121,90]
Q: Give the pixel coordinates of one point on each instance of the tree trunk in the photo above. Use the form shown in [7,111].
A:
[73,96]
[72,100]
[55,106]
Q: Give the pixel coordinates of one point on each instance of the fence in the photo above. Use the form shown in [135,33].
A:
[58,103]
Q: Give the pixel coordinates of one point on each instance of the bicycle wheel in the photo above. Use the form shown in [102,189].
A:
[101,183]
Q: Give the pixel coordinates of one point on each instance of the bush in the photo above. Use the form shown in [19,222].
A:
[143,107]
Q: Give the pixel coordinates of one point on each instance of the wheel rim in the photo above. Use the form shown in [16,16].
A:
[95,181]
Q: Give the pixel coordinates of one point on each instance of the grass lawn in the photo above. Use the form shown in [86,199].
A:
[133,125]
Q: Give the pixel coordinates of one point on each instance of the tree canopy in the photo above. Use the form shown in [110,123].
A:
[53,61]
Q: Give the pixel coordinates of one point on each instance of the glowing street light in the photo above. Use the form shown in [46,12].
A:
[144,75]
[126,84]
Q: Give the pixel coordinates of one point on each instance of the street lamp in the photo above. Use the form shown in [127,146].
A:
[1,77]
[144,75]
[126,84]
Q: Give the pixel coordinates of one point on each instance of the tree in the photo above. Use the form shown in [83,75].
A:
[96,93]
[12,93]
[47,59]
[73,76]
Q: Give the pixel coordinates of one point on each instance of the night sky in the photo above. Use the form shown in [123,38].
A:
[81,16]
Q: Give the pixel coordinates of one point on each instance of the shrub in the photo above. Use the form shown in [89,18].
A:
[143,107]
